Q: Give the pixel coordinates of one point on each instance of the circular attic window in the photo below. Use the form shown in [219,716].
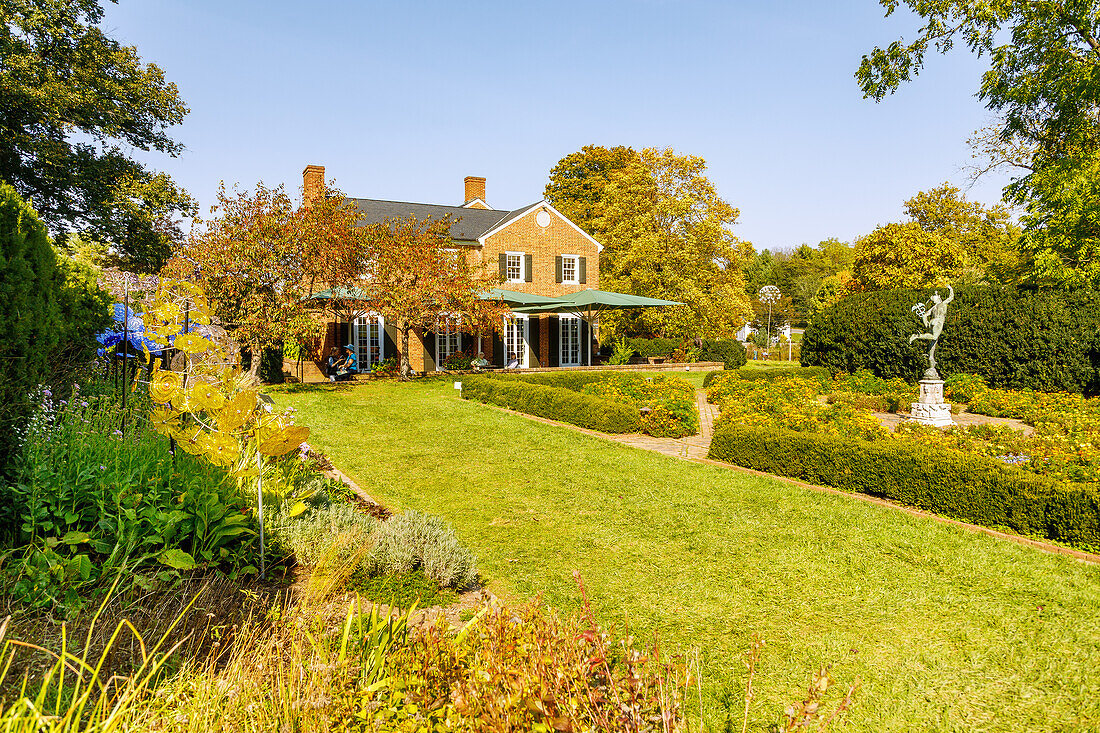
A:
[543,218]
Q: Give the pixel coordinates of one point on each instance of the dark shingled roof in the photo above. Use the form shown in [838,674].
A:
[466,224]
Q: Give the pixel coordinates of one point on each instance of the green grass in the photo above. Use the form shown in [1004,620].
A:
[402,590]
[948,629]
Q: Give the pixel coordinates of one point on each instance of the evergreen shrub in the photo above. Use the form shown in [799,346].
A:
[30,322]
[554,403]
[962,486]
[653,347]
[728,351]
[1048,341]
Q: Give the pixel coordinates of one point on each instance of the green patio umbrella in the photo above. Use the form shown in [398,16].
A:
[342,293]
[515,298]
[590,303]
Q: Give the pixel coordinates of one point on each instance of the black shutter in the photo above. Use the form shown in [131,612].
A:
[586,338]
[503,260]
[429,349]
[555,338]
[529,266]
[582,270]
[534,342]
[498,351]
[391,339]
[557,269]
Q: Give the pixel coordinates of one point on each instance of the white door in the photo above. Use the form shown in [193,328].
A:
[367,335]
[569,341]
[447,335]
[515,339]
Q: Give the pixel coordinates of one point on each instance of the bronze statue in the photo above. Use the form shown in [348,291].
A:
[933,316]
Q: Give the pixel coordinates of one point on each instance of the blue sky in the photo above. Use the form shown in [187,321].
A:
[401,100]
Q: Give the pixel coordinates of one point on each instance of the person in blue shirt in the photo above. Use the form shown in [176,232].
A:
[347,367]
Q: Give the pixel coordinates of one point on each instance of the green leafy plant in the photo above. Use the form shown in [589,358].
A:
[621,353]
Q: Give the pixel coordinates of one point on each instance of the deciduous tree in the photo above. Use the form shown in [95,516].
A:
[74,100]
[987,234]
[1043,80]
[666,234]
[906,256]
[251,263]
[578,183]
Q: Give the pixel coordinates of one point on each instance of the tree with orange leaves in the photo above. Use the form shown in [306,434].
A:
[259,259]
[413,277]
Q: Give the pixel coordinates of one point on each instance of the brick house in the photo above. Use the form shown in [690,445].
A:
[536,250]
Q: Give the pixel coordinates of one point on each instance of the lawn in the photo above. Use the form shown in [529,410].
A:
[948,629]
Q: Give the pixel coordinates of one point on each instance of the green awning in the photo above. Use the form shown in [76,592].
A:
[590,303]
[339,294]
[515,298]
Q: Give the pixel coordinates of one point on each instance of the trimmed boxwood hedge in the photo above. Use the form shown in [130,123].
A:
[756,374]
[1047,341]
[575,381]
[653,347]
[554,403]
[728,351]
[970,488]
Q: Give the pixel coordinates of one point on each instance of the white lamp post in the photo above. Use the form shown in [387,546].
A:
[769,295]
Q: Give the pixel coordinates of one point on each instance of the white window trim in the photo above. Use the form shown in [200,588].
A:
[561,341]
[525,360]
[366,364]
[576,270]
[447,318]
[522,267]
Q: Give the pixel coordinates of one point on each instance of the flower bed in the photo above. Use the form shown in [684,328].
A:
[1062,447]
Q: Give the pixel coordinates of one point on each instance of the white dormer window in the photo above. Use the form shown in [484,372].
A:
[514,268]
[569,267]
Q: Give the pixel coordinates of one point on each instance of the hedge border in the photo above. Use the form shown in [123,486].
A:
[554,403]
[968,488]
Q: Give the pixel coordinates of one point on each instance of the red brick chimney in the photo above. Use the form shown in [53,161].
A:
[313,183]
[475,188]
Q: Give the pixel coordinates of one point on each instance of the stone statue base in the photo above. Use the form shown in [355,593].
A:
[930,409]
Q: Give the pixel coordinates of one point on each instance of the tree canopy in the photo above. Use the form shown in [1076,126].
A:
[260,258]
[1044,81]
[578,183]
[74,100]
[947,239]
[666,234]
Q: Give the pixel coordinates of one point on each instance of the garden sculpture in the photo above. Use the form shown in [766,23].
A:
[933,316]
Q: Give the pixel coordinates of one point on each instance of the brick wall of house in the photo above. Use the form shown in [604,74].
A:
[544,244]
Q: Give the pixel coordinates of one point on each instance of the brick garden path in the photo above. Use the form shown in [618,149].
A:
[693,446]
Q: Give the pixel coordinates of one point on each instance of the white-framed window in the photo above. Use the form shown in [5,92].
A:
[513,270]
[515,339]
[368,333]
[569,341]
[447,339]
[570,269]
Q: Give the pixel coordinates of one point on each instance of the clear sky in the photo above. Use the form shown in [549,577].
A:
[402,99]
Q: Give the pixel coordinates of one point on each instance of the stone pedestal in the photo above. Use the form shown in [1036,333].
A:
[930,409]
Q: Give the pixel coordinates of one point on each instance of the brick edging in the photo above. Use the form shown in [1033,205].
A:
[1086,557]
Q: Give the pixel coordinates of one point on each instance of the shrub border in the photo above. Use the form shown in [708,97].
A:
[970,489]
[554,403]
